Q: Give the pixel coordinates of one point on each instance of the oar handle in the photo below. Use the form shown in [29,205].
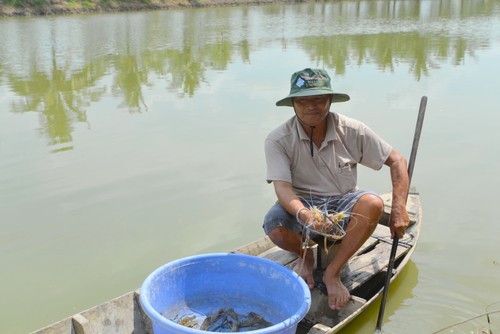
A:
[395,241]
[416,137]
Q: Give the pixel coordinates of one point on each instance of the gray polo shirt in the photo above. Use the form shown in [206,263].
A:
[333,168]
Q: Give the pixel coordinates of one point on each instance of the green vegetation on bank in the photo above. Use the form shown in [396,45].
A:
[60,7]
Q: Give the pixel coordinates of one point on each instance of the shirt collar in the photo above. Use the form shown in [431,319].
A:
[331,132]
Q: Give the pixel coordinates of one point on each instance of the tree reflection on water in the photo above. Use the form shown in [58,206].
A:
[61,92]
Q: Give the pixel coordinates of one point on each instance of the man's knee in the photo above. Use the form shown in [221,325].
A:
[286,239]
[370,206]
[276,234]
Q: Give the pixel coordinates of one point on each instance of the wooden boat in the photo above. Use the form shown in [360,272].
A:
[363,275]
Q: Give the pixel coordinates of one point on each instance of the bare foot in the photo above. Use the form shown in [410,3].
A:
[338,295]
[304,268]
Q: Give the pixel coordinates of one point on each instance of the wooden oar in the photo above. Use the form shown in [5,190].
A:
[395,241]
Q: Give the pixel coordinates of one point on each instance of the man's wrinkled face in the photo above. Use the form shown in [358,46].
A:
[311,110]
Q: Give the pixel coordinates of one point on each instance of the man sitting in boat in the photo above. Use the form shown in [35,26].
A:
[311,161]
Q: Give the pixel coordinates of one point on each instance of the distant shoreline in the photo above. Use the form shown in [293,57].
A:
[70,7]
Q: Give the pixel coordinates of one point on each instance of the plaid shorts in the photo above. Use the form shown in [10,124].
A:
[279,217]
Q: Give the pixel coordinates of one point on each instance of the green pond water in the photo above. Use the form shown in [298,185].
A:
[129,140]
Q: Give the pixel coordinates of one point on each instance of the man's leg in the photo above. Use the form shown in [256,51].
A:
[286,233]
[364,218]
[292,242]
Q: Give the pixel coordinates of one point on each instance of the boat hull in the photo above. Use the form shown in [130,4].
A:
[363,275]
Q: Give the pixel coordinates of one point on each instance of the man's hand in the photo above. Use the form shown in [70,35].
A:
[317,221]
[399,222]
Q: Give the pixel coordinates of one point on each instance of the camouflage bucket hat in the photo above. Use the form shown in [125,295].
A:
[310,82]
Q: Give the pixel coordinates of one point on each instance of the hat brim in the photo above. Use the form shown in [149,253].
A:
[336,97]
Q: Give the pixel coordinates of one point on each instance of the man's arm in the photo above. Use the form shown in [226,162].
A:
[399,178]
[289,200]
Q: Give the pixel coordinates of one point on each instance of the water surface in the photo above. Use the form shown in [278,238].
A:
[129,140]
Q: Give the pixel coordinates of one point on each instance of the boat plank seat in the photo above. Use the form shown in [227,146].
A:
[256,248]
[265,248]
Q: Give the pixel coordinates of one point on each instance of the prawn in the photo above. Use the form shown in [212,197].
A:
[330,227]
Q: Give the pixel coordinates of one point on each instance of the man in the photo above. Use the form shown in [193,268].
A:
[312,160]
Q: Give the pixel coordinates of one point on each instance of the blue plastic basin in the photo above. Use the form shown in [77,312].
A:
[204,283]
